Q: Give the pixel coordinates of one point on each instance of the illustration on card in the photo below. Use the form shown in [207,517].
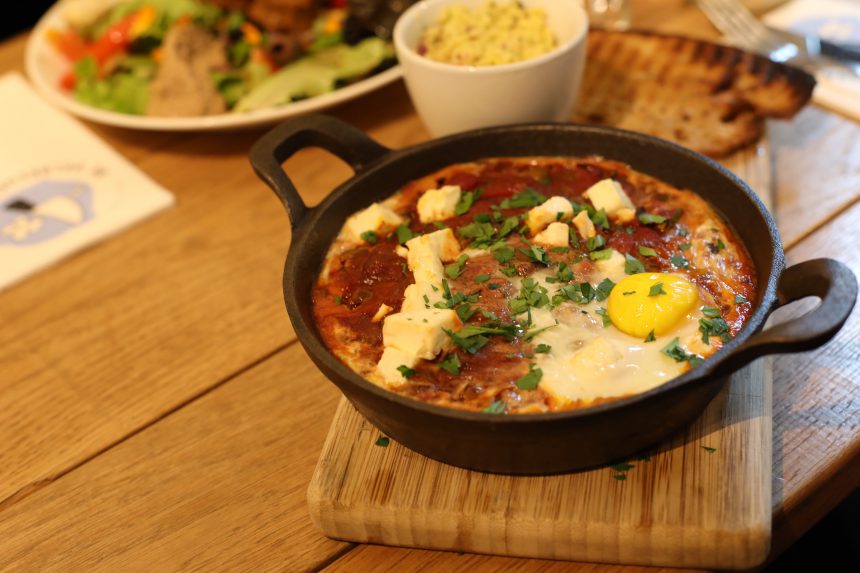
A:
[44,210]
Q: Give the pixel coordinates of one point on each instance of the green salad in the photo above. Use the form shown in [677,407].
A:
[180,58]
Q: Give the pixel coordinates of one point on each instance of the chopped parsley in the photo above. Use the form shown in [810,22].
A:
[632,265]
[508,271]
[596,242]
[565,275]
[581,293]
[685,246]
[605,316]
[465,311]
[628,230]
[482,234]
[601,255]
[679,262]
[482,218]
[603,289]
[574,238]
[628,292]
[741,299]
[536,255]
[494,286]
[404,233]
[532,333]
[647,251]
[531,294]
[370,237]
[405,371]
[440,225]
[451,364]
[716,247]
[600,219]
[656,290]
[497,407]
[502,252]
[542,348]
[455,269]
[622,467]
[674,351]
[528,198]
[710,311]
[382,441]
[530,380]
[709,449]
[466,201]
[649,219]
[337,299]
[471,343]
[650,337]
[716,327]
[508,225]
[481,279]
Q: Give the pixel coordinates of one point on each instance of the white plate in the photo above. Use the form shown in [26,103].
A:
[45,67]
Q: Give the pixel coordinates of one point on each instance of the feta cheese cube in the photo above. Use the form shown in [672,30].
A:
[428,252]
[401,251]
[420,333]
[612,268]
[438,204]
[384,309]
[608,195]
[556,235]
[548,212]
[392,359]
[413,296]
[377,218]
[584,225]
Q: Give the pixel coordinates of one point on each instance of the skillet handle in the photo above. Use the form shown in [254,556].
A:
[279,144]
[830,280]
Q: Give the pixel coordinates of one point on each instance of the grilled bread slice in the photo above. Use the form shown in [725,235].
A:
[705,96]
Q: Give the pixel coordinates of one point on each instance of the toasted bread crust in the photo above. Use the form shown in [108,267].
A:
[706,96]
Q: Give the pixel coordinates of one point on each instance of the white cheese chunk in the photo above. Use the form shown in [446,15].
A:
[377,218]
[414,296]
[392,359]
[384,309]
[608,195]
[420,333]
[612,268]
[547,212]
[438,204]
[556,235]
[401,251]
[584,225]
[428,252]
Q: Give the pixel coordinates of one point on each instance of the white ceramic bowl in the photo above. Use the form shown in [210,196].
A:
[451,98]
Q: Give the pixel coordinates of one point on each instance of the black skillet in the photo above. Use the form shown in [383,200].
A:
[560,441]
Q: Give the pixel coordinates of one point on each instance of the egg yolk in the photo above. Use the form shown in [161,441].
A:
[646,302]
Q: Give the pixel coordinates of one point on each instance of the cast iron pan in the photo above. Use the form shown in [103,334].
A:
[560,441]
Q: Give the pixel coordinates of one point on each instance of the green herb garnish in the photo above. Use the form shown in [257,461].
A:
[530,380]
[649,219]
[647,251]
[632,265]
[603,289]
[679,262]
[542,348]
[404,233]
[405,371]
[497,407]
[528,198]
[656,290]
[451,364]
[601,255]
[650,337]
[370,237]
[741,299]
[382,441]
[466,201]
[481,279]
[455,269]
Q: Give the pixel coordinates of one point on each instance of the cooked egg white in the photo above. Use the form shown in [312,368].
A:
[588,361]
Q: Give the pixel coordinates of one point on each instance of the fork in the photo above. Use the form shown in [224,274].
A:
[743,29]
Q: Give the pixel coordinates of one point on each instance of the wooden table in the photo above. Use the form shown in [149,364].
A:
[158,413]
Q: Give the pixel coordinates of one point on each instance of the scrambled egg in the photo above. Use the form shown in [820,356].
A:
[491,35]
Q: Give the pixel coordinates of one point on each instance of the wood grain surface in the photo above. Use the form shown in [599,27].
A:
[137,337]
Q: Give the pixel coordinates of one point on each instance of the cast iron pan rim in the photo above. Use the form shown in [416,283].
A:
[308,335]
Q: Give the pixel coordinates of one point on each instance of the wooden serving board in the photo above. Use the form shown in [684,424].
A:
[702,499]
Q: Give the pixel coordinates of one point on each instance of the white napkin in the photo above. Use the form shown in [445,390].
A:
[836,20]
[61,188]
